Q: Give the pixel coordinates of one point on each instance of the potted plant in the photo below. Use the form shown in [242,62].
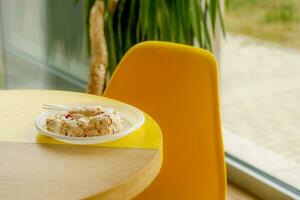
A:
[116,25]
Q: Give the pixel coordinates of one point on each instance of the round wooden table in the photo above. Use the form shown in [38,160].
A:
[33,166]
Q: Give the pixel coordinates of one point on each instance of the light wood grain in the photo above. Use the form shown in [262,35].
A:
[135,184]
[33,166]
[32,171]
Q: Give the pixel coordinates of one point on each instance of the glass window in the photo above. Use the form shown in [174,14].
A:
[44,44]
[260,86]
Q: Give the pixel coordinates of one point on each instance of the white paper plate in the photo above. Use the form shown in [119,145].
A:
[132,119]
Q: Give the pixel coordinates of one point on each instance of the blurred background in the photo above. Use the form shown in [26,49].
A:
[33,55]
[45,44]
[260,86]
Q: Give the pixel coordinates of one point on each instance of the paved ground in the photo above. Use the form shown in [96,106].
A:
[260,89]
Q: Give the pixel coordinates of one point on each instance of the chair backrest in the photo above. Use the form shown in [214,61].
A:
[178,86]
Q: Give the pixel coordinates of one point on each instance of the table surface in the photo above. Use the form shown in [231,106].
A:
[34,166]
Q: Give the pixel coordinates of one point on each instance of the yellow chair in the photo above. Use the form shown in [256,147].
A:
[178,86]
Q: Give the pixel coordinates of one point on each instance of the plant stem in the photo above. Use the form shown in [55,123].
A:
[99,55]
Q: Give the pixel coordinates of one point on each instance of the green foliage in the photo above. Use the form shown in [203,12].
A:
[283,13]
[279,11]
[181,21]
[277,21]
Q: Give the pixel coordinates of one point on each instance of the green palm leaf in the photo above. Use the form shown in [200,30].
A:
[182,21]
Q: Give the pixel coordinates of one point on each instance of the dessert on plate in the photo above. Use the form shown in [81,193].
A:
[84,121]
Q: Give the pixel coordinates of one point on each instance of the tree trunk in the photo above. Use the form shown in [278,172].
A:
[99,55]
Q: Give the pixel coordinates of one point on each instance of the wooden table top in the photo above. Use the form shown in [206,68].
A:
[34,166]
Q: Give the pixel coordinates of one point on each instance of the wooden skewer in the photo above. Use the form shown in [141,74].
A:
[55,107]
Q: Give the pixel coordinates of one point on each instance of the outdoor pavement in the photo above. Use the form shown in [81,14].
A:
[260,97]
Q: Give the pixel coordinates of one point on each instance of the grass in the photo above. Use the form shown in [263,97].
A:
[273,20]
